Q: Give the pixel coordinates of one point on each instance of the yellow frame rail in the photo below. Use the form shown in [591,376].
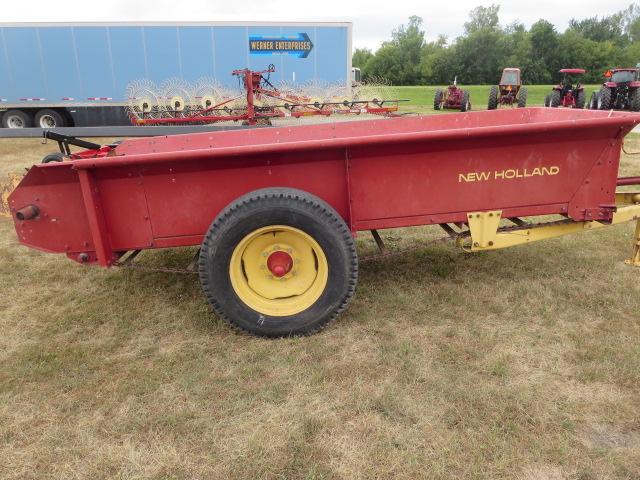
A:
[484,228]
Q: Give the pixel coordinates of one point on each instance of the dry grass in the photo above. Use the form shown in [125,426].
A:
[514,364]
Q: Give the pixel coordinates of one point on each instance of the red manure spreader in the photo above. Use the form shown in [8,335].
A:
[275,209]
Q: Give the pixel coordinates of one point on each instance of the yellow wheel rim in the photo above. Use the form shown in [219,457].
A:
[278,295]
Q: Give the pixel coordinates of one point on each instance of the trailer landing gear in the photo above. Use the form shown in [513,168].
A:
[278,262]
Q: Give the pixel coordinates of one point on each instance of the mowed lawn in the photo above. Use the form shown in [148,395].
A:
[520,363]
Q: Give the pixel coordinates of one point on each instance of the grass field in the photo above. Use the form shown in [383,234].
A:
[514,364]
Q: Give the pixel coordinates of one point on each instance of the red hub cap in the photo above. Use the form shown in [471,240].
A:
[279,263]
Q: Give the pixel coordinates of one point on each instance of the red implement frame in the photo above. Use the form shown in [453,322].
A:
[385,173]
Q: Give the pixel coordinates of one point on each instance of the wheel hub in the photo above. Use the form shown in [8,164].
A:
[279,263]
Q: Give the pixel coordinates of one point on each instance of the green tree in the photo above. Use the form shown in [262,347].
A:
[544,52]
[439,62]
[607,29]
[399,59]
[481,18]
[360,57]
[481,55]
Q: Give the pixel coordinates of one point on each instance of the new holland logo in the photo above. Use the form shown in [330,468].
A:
[508,174]
[297,45]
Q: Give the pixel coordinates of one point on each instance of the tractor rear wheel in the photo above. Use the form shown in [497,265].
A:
[522,99]
[437,100]
[604,99]
[634,100]
[493,98]
[465,104]
[581,99]
[554,101]
[278,262]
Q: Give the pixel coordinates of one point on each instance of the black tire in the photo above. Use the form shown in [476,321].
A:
[593,101]
[581,99]
[16,119]
[547,99]
[465,103]
[49,119]
[522,98]
[437,100]
[604,99]
[493,98]
[246,290]
[634,100]
[55,157]
[554,101]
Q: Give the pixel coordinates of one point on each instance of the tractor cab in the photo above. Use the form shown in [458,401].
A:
[621,76]
[506,93]
[510,81]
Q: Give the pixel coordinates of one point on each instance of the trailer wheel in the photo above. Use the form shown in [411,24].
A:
[16,119]
[465,104]
[49,119]
[604,99]
[278,262]
[437,100]
[493,98]
[522,101]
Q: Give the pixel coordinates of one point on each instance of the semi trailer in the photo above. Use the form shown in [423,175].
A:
[89,74]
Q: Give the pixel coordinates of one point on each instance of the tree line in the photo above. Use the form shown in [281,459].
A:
[479,55]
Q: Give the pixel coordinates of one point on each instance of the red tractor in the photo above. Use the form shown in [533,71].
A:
[453,98]
[565,94]
[507,92]
[621,91]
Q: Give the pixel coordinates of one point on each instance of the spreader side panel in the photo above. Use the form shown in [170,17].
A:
[534,174]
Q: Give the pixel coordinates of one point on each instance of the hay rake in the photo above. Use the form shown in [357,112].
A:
[256,102]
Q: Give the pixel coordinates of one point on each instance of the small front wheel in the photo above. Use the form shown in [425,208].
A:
[278,262]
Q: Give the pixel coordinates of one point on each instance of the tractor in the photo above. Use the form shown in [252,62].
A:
[565,94]
[507,92]
[621,91]
[453,98]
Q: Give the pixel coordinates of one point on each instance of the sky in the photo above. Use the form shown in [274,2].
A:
[373,20]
